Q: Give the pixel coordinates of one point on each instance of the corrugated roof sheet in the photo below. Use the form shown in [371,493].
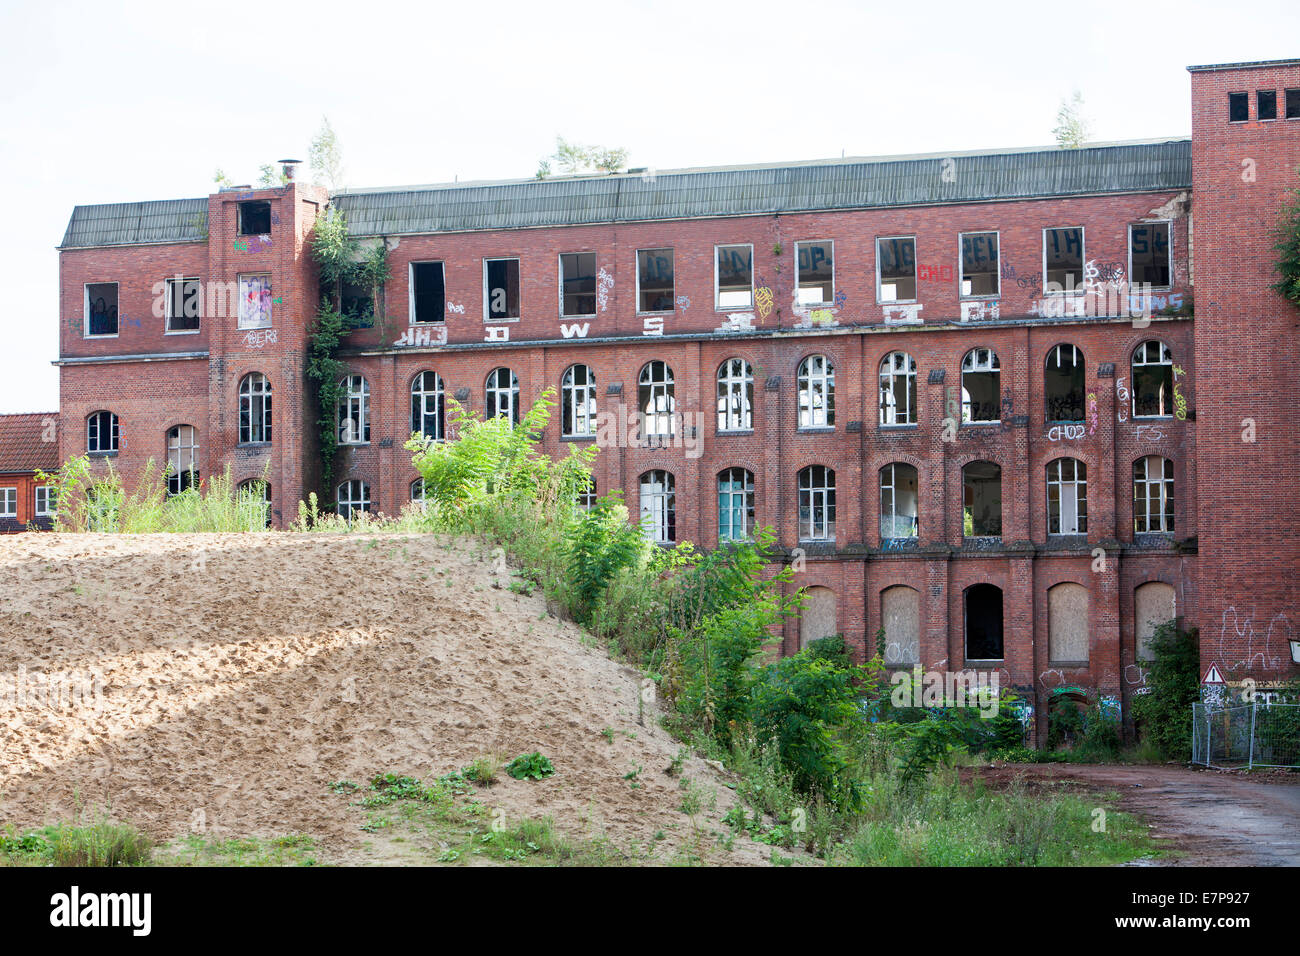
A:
[21,445]
[136,223]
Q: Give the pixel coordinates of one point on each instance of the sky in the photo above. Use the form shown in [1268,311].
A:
[118,102]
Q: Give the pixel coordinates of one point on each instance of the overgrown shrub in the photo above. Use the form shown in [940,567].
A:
[598,545]
[1164,714]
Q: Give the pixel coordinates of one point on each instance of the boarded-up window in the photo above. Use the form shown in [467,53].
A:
[817,619]
[900,614]
[1153,605]
[1067,623]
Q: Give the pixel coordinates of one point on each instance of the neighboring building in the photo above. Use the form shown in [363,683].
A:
[963,388]
[28,443]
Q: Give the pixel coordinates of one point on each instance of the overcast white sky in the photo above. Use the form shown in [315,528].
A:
[116,102]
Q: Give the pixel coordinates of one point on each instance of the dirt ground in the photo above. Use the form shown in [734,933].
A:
[1203,817]
[238,675]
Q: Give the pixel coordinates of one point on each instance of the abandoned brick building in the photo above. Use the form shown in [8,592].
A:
[971,392]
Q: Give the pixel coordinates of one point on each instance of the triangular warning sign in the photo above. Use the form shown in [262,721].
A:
[1212,676]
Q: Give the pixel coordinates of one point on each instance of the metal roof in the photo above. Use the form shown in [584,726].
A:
[1247,65]
[137,223]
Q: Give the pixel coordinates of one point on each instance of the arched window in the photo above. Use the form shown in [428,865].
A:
[816,392]
[417,493]
[817,618]
[817,503]
[735,504]
[1153,604]
[254,409]
[735,396]
[898,501]
[655,395]
[503,395]
[182,458]
[257,490]
[1067,624]
[981,500]
[900,616]
[1063,384]
[982,604]
[101,432]
[1067,496]
[1153,380]
[981,387]
[354,411]
[428,406]
[659,506]
[898,389]
[578,401]
[353,498]
[1153,494]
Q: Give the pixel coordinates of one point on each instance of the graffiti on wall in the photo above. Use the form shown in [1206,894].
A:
[604,282]
[1121,400]
[1257,645]
[423,335]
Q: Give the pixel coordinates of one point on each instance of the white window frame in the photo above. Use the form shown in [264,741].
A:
[814,242]
[1165,401]
[114,433]
[658,415]
[177,453]
[1078,491]
[673,251]
[167,320]
[657,501]
[887,478]
[579,401]
[487,312]
[1079,361]
[354,406]
[85,312]
[988,365]
[1169,227]
[255,386]
[9,501]
[717,290]
[410,291]
[735,414]
[961,264]
[916,278]
[46,509]
[559,259]
[416,489]
[361,502]
[510,393]
[805,380]
[1163,494]
[746,495]
[887,378]
[422,395]
[1083,260]
[820,499]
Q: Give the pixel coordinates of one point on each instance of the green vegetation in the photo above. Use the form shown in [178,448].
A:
[1288,248]
[533,766]
[1164,714]
[83,842]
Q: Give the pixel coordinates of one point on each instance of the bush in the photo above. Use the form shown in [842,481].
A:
[1164,714]
[598,545]
[531,766]
[101,843]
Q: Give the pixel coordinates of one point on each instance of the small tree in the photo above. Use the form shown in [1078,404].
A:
[1288,248]
[1071,130]
[326,157]
[573,158]
[1164,713]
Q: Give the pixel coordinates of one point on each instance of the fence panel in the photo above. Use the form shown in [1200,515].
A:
[1250,735]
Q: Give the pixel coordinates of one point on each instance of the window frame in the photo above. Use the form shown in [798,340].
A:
[412,314]
[239,314]
[365,502]
[668,386]
[176,483]
[671,250]
[239,216]
[665,507]
[1246,94]
[488,318]
[1079,486]
[496,391]
[8,493]
[965,403]
[892,486]
[167,315]
[1083,260]
[717,275]
[828,510]
[745,493]
[961,265]
[1132,367]
[916,281]
[422,395]
[51,506]
[85,311]
[570,400]
[726,383]
[114,430]
[264,393]
[1081,364]
[827,380]
[909,374]
[825,303]
[356,397]
[1169,246]
[1165,497]
[595,292]
[265,485]
[1259,114]
[975,535]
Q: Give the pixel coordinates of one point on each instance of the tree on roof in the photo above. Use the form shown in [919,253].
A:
[1071,130]
[572,158]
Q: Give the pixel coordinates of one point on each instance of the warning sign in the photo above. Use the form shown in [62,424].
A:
[1212,676]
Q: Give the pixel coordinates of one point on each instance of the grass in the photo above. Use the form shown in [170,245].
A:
[197,850]
[96,843]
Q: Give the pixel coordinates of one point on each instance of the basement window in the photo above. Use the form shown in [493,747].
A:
[814,273]
[1292,104]
[654,280]
[1148,250]
[896,269]
[428,294]
[981,378]
[255,218]
[500,289]
[1266,104]
[1238,107]
[735,277]
[1063,259]
[101,308]
[184,304]
[578,284]
[979,263]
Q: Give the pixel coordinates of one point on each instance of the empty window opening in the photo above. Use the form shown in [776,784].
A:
[659,506]
[354,411]
[898,389]
[1292,104]
[101,308]
[578,284]
[255,301]
[255,218]
[428,406]
[357,303]
[1067,624]
[981,500]
[817,503]
[257,490]
[816,392]
[1149,261]
[735,277]
[1153,495]
[981,384]
[983,614]
[979,263]
[817,618]
[1153,605]
[656,397]
[9,502]
[101,432]
[502,398]
[814,273]
[500,289]
[578,402]
[254,409]
[735,504]
[1153,380]
[900,616]
[182,458]
[654,280]
[896,265]
[735,396]
[899,501]
[1266,104]
[1238,107]
[1067,497]
[1063,259]
[353,498]
[428,292]
[47,501]
[1063,389]
[184,304]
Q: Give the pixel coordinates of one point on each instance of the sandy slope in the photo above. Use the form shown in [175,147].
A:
[239,674]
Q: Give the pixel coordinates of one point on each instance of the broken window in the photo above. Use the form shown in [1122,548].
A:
[1266,104]
[357,300]
[9,502]
[1153,605]
[1153,495]
[1067,496]
[1238,107]
[979,263]
[982,604]
[735,396]
[656,398]
[578,284]
[259,490]
[654,280]
[816,392]
[255,301]
[900,616]
[354,411]
[1063,259]
[1292,104]
[898,501]
[101,432]
[1153,380]
[578,402]
[817,503]
[500,289]
[1148,251]
[428,406]
[502,395]
[735,277]
[896,269]
[1063,387]
[353,498]
[184,304]
[587,493]
[817,618]
[428,294]
[254,409]
[898,389]
[735,504]
[814,273]
[255,218]
[981,383]
[1067,624]
[101,308]
[981,483]
[182,458]
[659,506]
[417,493]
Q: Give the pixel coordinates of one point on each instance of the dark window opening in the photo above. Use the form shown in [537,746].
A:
[101,308]
[1063,249]
[983,623]
[981,500]
[184,304]
[101,432]
[1293,104]
[897,259]
[1149,253]
[1153,380]
[1266,104]
[654,272]
[981,384]
[1063,384]
[1238,107]
[979,263]
[578,284]
[502,288]
[430,300]
[255,218]
[358,302]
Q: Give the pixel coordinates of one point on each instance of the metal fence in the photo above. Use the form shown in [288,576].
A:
[1258,734]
